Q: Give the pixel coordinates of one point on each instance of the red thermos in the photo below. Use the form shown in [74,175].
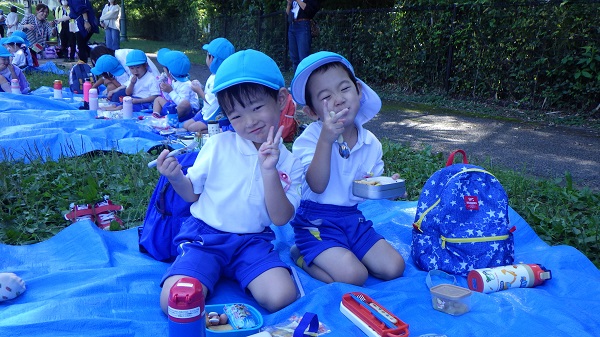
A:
[186,309]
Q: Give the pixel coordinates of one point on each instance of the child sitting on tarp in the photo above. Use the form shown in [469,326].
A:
[112,73]
[142,85]
[178,94]
[8,72]
[240,184]
[334,241]
[216,52]
[11,286]
[16,45]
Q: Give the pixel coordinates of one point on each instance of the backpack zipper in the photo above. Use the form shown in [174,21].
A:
[467,240]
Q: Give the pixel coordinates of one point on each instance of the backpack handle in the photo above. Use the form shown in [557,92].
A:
[451,157]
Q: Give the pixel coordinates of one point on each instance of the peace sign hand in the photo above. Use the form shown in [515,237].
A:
[333,123]
[268,153]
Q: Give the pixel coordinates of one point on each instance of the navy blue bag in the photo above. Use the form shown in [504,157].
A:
[462,221]
[164,216]
[77,76]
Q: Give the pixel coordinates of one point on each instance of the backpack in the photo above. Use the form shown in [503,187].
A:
[77,76]
[462,221]
[288,120]
[164,216]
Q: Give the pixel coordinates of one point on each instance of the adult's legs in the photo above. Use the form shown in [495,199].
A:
[82,46]
[293,46]
[303,39]
[72,38]
[112,38]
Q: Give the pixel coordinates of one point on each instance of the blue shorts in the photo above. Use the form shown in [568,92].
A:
[207,254]
[318,227]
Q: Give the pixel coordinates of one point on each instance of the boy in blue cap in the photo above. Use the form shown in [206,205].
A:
[16,45]
[142,85]
[240,184]
[112,73]
[334,241]
[8,72]
[179,93]
[216,52]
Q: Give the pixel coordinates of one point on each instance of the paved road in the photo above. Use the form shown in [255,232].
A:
[538,150]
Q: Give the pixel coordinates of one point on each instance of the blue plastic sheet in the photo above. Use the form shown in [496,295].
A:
[38,127]
[88,282]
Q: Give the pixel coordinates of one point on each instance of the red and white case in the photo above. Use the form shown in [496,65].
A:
[370,323]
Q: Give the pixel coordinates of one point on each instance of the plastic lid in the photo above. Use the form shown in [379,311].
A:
[450,291]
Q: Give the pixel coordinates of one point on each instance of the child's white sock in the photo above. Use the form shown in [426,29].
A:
[11,286]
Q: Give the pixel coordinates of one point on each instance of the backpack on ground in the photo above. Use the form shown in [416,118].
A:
[288,120]
[77,76]
[164,216]
[462,221]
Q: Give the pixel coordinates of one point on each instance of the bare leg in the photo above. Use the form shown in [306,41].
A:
[383,261]
[159,102]
[273,289]
[336,264]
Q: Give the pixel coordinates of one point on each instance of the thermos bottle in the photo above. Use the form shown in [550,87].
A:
[186,309]
[487,280]
[93,95]
[127,107]
[15,88]
[58,89]
[213,128]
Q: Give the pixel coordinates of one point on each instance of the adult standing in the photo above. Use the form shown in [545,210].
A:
[85,17]
[300,12]
[38,30]
[67,31]
[12,20]
[109,20]
[2,23]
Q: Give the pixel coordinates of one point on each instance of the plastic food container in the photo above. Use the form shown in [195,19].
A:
[228,330]
[451,299]
[379,188]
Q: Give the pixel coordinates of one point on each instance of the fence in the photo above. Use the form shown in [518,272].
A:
[529,52]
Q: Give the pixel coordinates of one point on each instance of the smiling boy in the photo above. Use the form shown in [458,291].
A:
[240,184]
[142,85]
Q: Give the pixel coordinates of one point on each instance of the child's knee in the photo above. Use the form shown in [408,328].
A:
[276,298]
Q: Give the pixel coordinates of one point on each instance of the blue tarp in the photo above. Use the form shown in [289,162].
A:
[34,125]
[88,282]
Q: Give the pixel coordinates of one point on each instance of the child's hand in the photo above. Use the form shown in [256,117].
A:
[268,153]
[333,124]
[165,87]
[168,166]
[395,176]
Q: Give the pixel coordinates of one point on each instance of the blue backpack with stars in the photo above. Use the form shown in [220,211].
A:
[462,222]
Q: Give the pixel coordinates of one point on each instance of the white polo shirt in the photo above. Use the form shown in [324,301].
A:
[227,176]
[211,105]
[365,160]
[145,86]
[183,90]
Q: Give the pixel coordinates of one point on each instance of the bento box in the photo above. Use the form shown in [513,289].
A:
[243,320]
[379,188]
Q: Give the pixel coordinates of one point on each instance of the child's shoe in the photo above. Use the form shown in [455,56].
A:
[80,212]
[106,214]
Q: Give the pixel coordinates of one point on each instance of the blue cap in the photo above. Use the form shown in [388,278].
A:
[3,40]
[14,39]
[108,64]
[22,35]
[161,54]
[248,66]
[370,103]
[135,58]
[178,64]
[221,49]
[4,52]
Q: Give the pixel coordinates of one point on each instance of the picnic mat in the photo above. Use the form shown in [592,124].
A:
[88,282]
[34,126]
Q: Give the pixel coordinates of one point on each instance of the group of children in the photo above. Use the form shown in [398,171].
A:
[244,181]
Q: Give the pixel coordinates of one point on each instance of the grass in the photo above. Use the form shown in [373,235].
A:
[34,196]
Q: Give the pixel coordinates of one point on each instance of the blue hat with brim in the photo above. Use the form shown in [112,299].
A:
[4,52]
[370,103]
[108,64]
[160,56]
[14,39]
[135,58]
[3,41]
[248,66]
[22,35]
[220,48]
[179,65]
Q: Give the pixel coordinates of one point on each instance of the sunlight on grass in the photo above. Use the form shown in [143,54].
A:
[196,54]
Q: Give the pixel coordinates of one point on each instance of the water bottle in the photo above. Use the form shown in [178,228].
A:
[213,128]
[487,280]
[58,89]
[87,85]
[15,88]
[186,309]
[127,107]
[93,96]
[172,116]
